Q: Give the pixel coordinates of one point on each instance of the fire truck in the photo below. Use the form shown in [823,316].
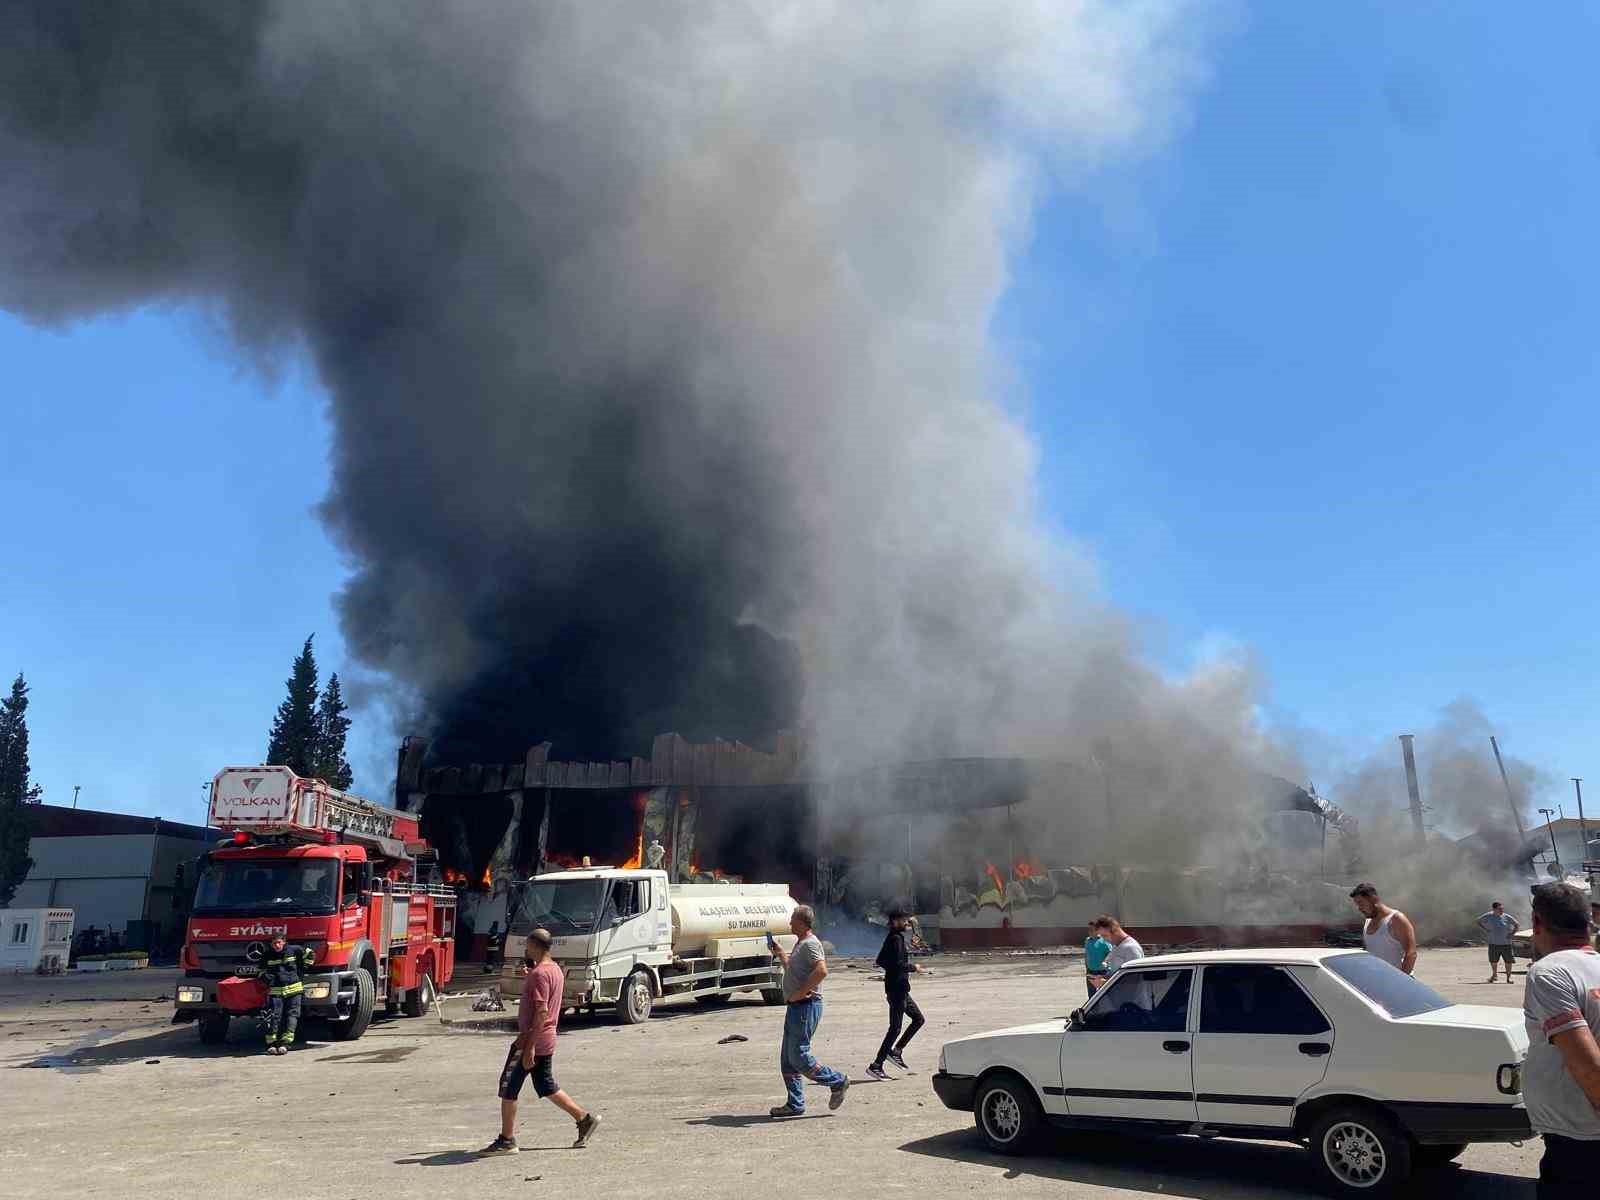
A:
[351,880]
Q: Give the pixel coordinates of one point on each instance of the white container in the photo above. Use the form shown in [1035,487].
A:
[31,938]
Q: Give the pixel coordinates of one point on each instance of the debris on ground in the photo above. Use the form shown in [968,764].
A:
[488,1001]
[732,1037]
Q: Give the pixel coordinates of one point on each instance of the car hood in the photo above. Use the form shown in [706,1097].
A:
[1058,1025]
[1471,1016]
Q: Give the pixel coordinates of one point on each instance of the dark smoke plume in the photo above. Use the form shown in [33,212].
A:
[656,339]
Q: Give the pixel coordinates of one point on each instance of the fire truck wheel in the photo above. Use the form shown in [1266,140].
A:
[633,1001]
[213,1028]
[360,1017]
[419,1000]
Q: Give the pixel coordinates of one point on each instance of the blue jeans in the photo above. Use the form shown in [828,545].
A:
[796,1061]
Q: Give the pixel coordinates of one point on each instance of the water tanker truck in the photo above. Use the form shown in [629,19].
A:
[628,938]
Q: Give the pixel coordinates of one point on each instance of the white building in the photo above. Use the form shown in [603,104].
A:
[35,937]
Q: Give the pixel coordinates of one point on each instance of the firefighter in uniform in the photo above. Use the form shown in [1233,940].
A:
[281,969]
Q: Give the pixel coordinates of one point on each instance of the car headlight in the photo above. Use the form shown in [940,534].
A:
[191,995]
[318,991]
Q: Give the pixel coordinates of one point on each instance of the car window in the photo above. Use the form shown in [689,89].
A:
[1142,1002]
[1392,990]
[1256,999]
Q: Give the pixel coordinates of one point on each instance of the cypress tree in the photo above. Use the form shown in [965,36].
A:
[332,725]
[17,791]
[293,742]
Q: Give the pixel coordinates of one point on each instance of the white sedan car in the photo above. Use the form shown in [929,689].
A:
[1334,1049]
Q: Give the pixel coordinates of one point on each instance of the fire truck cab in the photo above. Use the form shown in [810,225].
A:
[352,881]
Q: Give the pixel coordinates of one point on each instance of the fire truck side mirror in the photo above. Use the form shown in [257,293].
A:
[364,885]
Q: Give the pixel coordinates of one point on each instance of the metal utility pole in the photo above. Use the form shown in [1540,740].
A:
[1551,830]
[75,789]
[1516,813]
[1411,787]
[1583,825]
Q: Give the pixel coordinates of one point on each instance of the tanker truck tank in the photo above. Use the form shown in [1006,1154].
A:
[704,913]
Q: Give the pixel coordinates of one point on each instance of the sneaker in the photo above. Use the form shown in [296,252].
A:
[894,1057]
[586,1128]
[877,1072]
[785,1110]
[836,1095]
[500,1145]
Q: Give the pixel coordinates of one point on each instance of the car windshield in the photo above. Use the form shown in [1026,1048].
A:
[245,886]
[1392,990]
[563,906]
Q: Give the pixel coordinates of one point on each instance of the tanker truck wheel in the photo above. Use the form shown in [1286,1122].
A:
[213,1028]
[360,1017]
[633,1001]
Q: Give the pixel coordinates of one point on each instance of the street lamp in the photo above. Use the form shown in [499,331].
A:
[75,789]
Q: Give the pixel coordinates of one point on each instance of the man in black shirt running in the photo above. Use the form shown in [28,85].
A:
[897,971]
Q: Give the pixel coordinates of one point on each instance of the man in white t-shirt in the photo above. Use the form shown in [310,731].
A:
[1561,1076]
[1124,946]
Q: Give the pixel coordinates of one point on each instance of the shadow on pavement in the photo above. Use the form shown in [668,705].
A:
[745,1120]
[1191,1167]
[461,1158]
[179,1041]
[445,1158]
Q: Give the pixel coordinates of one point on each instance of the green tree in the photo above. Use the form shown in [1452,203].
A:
[17,791]
[330,763]
[293,742]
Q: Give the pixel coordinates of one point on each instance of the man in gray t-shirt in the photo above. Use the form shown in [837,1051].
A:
[804,969]
[1561,1076]
[1498,925]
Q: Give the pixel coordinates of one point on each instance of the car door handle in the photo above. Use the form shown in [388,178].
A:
[1175,1047]
[1315,1049]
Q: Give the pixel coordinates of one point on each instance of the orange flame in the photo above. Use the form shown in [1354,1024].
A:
[992,873]
[484,882]
[640,800]
[1025,870]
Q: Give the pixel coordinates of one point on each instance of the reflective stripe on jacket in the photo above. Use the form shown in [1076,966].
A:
[282,972]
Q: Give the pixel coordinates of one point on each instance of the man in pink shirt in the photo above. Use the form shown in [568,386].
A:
[533,1053]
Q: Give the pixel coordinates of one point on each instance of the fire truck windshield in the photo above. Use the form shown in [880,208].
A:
[252,887]
[564,907]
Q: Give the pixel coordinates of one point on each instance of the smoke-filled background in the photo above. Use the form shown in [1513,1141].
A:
[657,341]
[656,337]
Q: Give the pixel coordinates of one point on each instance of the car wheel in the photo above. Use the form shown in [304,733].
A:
[1007,1113]
[1359,1150]
[213,1028]
[1436,1156]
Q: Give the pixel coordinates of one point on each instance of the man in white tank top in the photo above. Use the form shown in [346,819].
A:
[1387,932]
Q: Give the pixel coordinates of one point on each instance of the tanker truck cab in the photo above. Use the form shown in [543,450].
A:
[627,938]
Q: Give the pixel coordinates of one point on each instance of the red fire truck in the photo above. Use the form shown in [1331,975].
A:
[353,881]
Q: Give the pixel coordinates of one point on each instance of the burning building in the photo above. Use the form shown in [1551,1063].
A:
[976,844]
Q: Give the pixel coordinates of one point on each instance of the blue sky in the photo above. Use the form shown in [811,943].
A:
[1317,377]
